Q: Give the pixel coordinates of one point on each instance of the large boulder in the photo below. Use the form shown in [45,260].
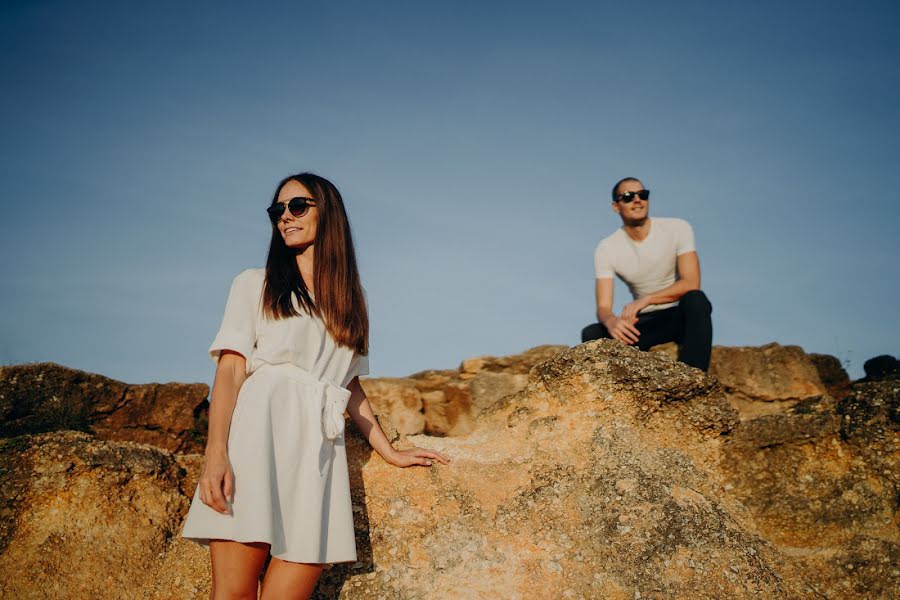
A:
[554,494]
[881,368]
[760,380]
[41,397]
[822,482]
[447,402]
[592,482]
[83,518]
[398,397]
[832,374]
[612,474]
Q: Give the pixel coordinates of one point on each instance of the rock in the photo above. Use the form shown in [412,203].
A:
[670,349]
[449,412]
[399,399]
[387,426]
[83,518]
[881,368]
[43,397]
[832,374]
[487,388]
[448,402]
[772,430]
[767,379]
[861,567]
[870,426]
[821,482]
[579,483]
[612,474]
[516,364]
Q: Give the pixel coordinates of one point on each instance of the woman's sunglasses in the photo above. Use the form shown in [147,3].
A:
[629,196]
[298,207]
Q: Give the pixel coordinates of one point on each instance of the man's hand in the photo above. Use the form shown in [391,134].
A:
[630,312]
[622,329]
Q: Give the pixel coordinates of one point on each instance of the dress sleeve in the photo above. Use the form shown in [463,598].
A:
[685,241]
[238,329]
[358,366]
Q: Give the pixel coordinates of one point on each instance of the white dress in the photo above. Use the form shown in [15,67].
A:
[286,443]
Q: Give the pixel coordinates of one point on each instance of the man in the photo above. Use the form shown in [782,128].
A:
[647,254]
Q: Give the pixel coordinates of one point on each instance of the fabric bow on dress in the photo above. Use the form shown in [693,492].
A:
[334,404]
[332,398]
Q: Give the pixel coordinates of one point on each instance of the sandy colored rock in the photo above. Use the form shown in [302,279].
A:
[514,364]
[398,398]
[822,483]
[83,518]
[448,402]
[449,411]
[769,373]
[832,374]
[670,349]
[487,388]
[612,474]
[767,379]
[579,486]
[41,397]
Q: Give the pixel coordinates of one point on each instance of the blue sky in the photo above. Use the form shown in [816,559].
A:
[474,144]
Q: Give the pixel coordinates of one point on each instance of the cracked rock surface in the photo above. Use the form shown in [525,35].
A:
[609,473]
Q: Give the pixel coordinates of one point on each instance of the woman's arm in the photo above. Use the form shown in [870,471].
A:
[230,376]
[361,412]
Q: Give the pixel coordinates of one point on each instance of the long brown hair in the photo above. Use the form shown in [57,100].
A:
[340,300]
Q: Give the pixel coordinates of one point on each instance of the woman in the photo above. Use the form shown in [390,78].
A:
[291,347]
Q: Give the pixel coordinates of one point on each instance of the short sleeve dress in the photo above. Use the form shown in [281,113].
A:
[286,444]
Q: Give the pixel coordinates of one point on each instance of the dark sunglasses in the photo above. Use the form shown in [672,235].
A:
[629,196]
[298,207]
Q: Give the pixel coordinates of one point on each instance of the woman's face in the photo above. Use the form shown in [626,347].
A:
[297,231]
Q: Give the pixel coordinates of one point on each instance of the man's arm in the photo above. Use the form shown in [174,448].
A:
[620,329]
[688,279]
[605,289]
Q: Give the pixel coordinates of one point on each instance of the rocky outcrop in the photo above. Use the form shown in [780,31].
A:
[832,374]
[882,368]
[84,518]
[448,402]
[767,379]
[43,397]
[821,483]
[611,474]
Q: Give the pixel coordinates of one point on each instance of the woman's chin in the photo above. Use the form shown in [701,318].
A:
[297,244]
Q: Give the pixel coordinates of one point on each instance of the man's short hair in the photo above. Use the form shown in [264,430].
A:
[620,182]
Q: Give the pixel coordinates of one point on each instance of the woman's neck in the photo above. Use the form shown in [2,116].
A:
[305,264]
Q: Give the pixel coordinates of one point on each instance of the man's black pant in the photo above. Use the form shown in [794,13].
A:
[688,324]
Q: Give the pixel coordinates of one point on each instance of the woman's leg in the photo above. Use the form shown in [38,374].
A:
[286,580]
[236,567]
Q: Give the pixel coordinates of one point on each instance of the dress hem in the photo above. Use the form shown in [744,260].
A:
[204,541]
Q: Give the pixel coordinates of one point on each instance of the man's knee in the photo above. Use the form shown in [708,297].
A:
[696,302]
[594,331]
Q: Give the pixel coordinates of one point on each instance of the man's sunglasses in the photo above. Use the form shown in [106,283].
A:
[629,196]
[298,207]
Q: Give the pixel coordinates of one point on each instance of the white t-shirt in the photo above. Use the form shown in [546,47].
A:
[649,265]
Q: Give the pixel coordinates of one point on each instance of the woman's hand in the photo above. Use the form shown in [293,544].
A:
[416,456]
[217,482]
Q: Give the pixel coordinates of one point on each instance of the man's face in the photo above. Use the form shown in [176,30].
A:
[637,209]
